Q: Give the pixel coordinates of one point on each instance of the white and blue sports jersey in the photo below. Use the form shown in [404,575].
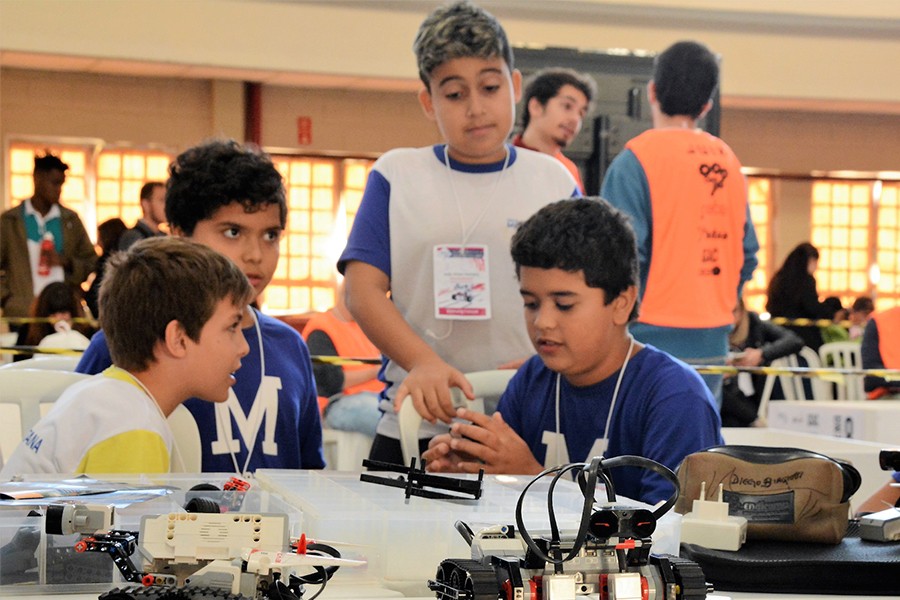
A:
[417,198]
[664,412]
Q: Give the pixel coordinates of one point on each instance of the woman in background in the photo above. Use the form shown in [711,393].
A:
[793,295]
[57,305]
[754,343]
[108,234]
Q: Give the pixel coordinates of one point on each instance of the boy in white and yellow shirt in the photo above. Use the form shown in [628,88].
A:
[166,347]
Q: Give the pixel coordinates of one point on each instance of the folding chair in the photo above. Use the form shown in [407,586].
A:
[28,389]
[845,355]
[59,362]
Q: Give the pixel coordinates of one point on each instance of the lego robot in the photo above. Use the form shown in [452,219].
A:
[607,558]
[216,555]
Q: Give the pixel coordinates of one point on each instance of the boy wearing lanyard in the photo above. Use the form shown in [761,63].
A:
[591,390]
[165,348]
[231,198]
[434,226]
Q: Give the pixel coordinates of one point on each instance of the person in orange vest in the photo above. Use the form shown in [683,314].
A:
[687,200]
[880,350]
[555,101]
[348,395]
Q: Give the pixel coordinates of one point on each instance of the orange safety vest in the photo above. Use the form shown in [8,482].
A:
[888,323]
[349,341]
[698,200]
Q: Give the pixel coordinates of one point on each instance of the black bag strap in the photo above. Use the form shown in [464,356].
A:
[772,455]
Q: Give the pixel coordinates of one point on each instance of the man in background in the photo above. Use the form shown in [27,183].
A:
[556,101]
[153,205]
[41,241]
[687,200]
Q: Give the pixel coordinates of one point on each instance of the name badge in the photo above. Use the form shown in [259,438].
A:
[461,282]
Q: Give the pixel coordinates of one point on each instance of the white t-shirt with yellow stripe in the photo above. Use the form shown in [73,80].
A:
[106,424]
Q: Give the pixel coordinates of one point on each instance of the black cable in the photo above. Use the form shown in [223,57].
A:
[650,465]
[465,531]
[585,513]
[587,477]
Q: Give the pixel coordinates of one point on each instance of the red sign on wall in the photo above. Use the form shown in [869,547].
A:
[304,131]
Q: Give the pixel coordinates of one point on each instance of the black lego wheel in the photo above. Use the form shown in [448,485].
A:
[202,505]
[470,576]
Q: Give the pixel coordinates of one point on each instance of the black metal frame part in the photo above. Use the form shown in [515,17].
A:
[417,480]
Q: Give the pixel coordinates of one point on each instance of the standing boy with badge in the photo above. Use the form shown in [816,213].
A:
[435,223]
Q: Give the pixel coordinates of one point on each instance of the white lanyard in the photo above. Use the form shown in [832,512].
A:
[487,205]
[612,404]
[251,446]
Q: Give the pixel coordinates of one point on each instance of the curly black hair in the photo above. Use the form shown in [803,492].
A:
[207,177]
[585,234]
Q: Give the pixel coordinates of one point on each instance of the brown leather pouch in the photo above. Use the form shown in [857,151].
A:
[785,494]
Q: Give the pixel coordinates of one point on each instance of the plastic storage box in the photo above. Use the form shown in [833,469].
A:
[33,562]
[404,542]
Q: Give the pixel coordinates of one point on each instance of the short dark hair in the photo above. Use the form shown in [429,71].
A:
[108,234]
[459,30]
[216,173]
[56,297]
[159,280]
[49,162]
[585,234]
[546,83]
[863,304]
[685,75]
[147,189]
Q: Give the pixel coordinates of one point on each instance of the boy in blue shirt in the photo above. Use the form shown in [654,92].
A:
[592,389]
[231,198]
[434,224]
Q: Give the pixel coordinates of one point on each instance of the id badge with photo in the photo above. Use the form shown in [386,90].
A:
[461,282]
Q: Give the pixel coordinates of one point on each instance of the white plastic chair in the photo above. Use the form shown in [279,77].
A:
[792,385]
[53,362]
[845,355]
[28,389]
[486,384]
[345,450]
[7,338]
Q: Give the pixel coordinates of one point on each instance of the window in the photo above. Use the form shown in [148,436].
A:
[99,185]
[323,196]
[759,195]
[120,176]
[887,247]
[854,224]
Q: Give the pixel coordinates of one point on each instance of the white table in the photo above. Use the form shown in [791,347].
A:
[717,596]
[872,420]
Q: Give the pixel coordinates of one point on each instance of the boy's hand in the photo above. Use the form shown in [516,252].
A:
[428,386]
[488,443]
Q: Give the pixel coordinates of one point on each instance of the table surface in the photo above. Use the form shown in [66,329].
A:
[341,592]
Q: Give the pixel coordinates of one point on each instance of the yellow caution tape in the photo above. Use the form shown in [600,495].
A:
[828,374]
[36,350]
[801,322]
[342,361]
[27,320]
